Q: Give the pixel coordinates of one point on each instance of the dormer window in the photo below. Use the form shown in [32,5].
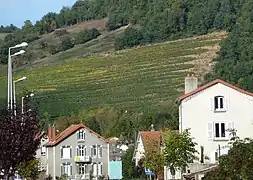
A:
[219,103]
[81,135]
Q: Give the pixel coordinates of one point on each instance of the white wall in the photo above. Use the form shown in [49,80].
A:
[140,151]
[196,112]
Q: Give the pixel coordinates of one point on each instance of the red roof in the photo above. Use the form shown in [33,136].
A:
[153,138]
[69,131]
[201,88]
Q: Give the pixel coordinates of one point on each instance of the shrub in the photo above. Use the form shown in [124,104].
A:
[130,38]
[60,32]
[53,49]
[66,43]
[86,35]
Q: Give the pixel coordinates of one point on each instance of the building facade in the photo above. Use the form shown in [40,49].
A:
[77,152]
[211,112]
[41,152]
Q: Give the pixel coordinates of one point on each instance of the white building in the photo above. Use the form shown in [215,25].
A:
[41,152]
[210,111]
[143,139]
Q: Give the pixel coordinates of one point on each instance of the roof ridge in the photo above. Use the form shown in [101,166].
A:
[70,130]
[210,84]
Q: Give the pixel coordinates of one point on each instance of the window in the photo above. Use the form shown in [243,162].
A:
[100,169]
[81,135]
[94,169]
[93,151]
[66,168]
[100,151]
[220,130]
[43,150]
[81,150]
[219,103]
[82,169]
[66,152]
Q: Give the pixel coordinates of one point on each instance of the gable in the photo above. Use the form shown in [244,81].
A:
[72,130]
[210,85]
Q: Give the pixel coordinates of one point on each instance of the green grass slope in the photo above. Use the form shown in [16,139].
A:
[142,78]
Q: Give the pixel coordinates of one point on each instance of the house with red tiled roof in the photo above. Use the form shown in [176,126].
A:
[77,152]
[145,140]
[211,111]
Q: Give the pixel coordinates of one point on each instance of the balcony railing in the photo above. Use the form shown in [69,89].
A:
[83,159]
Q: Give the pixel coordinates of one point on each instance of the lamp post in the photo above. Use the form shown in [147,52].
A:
[14,92]
[10,100]
[29,95]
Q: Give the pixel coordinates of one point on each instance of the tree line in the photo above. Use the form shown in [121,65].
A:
[152,20]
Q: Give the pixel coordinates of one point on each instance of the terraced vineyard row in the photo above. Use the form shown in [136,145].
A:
[137,79]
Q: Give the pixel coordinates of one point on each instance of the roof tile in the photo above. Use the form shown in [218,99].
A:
[69,131]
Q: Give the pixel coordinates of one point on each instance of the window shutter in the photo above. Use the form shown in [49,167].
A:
[77,135]
[100,151]
[62,169]
[77,151]
[61,152]
[210,130]
[91,151]
[226,104]
[70,170]
[70,151]
[230,126]
[211,104]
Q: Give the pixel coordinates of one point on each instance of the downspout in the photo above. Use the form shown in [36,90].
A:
[54,178]
[108,151]
[180,118]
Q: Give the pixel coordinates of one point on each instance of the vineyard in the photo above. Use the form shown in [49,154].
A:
[140,78]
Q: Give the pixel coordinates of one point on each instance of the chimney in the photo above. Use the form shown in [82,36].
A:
[51,133]
[191,83]
[152,127]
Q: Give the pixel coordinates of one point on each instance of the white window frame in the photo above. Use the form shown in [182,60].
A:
[94,149]
[94,169]
[100,168]
[219,108]
[67,168]
[211,129]
[100,151]
[82,168]
[64,155]
[81,150]
[81,135]
[220,130]
[43,150]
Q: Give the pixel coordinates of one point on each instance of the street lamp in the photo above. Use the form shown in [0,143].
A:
[29,95]
[23,44]
[18,53]
[14,92]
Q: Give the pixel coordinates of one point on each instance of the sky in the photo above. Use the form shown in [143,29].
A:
[17,11]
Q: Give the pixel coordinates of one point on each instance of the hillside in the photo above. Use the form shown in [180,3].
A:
[141,78]
[2,35]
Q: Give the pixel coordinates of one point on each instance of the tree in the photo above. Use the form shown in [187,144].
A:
[29,169]
[20,138]
[179,150]
[154,159]
[237,164]
[129,169]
